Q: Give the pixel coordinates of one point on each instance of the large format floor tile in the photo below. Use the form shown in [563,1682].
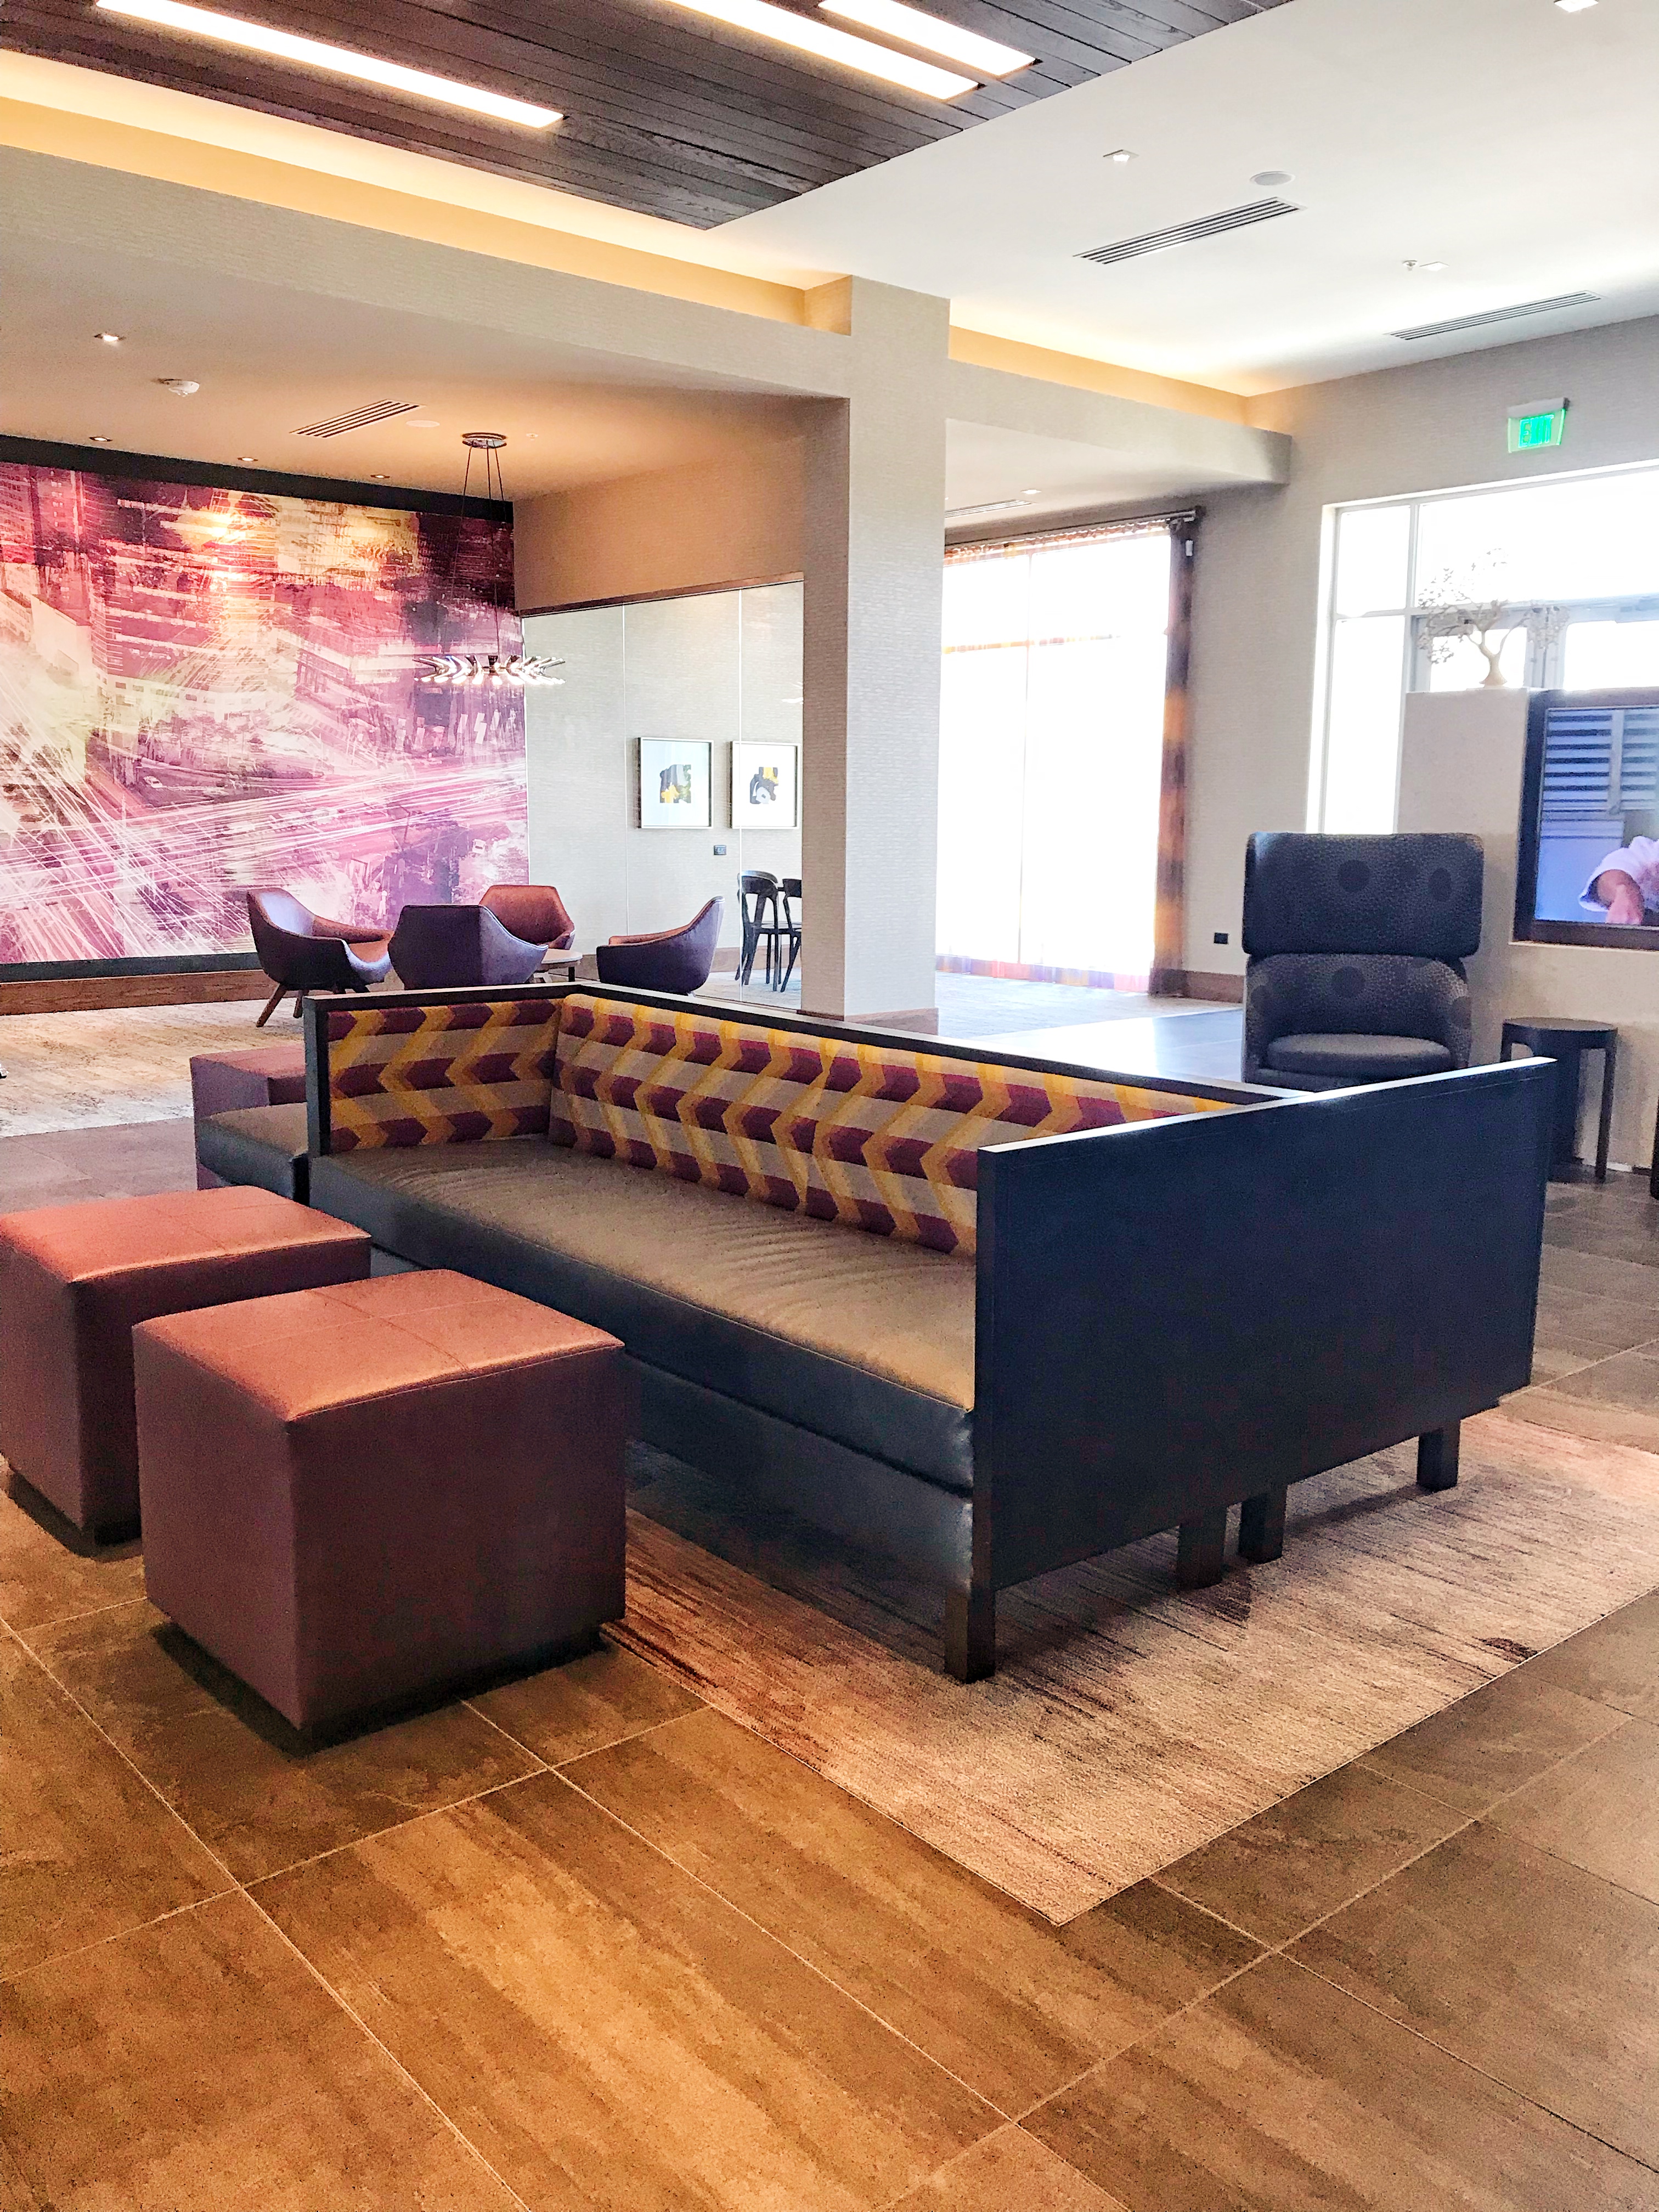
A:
[585,1703]
[255,1791]
[1493,1742]
[1008,2172]
[1278,1874]
[1542,1976]
[1617,1661]
[1599,1809]
[1282,2093]
[48,1570]
[196,2066]
[607,2031]
[986,1986]
[89,1851]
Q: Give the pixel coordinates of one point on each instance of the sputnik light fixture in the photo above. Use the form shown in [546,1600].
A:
[497,668]
[339,61]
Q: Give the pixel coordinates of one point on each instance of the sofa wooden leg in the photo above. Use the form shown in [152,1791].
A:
[1437,1458]
[970,1634]
[1261,1526]
[271,1004]
[1202,1557]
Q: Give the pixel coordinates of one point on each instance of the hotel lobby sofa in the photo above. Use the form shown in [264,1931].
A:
[989,1313]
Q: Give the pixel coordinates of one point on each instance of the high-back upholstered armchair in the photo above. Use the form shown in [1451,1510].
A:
[434,947]
[1357,947]
[302,951]
[672,960]
[533,912]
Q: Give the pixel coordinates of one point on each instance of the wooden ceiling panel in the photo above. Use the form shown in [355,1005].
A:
[665,112]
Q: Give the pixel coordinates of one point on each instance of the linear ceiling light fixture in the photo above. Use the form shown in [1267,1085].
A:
[339,61]
[932,34]
[809,36]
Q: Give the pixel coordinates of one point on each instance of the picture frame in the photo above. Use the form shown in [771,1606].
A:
[765,785]
[676,775]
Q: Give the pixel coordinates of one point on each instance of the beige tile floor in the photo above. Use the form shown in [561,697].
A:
[580,1941]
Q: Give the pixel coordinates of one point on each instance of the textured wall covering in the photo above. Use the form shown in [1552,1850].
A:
[203,688]
[883,1138]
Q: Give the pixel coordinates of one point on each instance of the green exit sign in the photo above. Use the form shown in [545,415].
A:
[1544,423]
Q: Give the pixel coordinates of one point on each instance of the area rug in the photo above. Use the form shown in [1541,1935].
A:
[103,1069]
[1128,1722]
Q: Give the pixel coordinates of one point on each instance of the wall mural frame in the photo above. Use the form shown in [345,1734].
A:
[212,677]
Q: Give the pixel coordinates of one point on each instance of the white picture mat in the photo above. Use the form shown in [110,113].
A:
[671,766]
[750,762]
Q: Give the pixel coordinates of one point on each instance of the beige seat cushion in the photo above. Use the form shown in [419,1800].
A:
[861,1338]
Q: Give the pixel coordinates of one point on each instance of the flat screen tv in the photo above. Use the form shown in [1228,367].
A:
[1588,866]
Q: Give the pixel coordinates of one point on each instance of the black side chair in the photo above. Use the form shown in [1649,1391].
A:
[792,906]
[759,895]
[1357,947]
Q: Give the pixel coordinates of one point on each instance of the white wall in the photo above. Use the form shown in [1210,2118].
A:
[723,665]
[1427,427]
[1461,768]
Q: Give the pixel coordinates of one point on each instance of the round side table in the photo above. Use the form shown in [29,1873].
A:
[1564,1042]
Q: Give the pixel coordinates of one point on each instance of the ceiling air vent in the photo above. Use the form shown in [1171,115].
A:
[378,410]
[1498,315]
[1185,233]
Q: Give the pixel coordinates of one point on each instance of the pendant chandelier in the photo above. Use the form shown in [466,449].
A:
[497,668]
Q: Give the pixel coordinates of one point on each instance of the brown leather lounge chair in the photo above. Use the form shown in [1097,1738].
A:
[302,951]
[536,913]
[670,960]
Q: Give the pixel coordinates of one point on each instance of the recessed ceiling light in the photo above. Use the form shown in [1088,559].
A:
[809,36]
[378,479]
[932,34]
[1120,153]
[108,338]
[1030,492]
[97,439]
[1267,177]
[1574,7]
[247,457]
[339,61]
[181,388]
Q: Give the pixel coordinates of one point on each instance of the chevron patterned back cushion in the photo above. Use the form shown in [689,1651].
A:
[440,1075]
[873,1135]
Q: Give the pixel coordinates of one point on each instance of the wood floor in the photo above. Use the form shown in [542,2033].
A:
[583,1941]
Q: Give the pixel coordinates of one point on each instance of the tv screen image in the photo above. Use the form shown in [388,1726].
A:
[1589,856]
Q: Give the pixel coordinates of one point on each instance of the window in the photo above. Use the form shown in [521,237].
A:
[1051,754]
[1546,583]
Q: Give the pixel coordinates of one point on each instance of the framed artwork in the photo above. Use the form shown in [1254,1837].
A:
[674,783]
[764,786]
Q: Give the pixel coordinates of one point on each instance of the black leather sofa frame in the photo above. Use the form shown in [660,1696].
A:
[1172,1317]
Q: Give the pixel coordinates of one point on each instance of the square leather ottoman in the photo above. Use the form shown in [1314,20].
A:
[233,1082]
[74,1279]
[358,1496]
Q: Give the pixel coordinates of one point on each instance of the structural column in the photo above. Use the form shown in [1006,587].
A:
[873,567]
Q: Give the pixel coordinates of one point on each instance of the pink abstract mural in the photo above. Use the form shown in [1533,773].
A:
[203,690]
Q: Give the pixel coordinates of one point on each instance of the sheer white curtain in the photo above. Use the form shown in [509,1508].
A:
[1051,754]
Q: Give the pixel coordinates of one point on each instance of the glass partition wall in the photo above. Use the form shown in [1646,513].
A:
[1549,583]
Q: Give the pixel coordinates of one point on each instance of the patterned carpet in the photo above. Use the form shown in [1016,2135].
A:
[1128,1722]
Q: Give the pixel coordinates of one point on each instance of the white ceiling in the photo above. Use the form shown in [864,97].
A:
[265,365]
[1512,141]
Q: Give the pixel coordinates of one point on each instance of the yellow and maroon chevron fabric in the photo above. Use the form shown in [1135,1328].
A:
[885,1138]
[440,1075]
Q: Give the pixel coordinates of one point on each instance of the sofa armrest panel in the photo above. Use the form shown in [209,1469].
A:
[1182,1314]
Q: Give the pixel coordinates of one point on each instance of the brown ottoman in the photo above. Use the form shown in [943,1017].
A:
[73,1281]
[357,1496]
[231,1082]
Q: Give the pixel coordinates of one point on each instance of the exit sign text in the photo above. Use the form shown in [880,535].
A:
[1542,424]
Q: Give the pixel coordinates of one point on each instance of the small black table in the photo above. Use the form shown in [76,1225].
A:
[1563,1042]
